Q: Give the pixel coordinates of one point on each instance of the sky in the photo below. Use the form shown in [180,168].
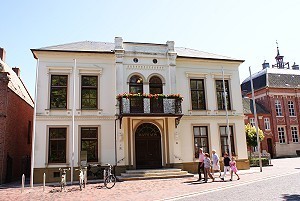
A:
[245,29]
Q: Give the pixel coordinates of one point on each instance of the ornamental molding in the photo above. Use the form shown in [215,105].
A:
[145,67]
[90,70]
[59,69]
[196,75]
[220,76]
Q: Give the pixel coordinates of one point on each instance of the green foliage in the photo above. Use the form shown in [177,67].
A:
[251,135]
[254,162]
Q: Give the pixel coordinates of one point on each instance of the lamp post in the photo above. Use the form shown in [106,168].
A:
[256,122]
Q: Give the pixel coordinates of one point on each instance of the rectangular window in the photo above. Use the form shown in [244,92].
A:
[89,143]
[294,131]
[200,139]
[278,108]
[224,141]
[89,92]
[57,145]
[252,122]
[220,95]
[198,94]
[58,91]
[267,124]
[281,135]
[291,108]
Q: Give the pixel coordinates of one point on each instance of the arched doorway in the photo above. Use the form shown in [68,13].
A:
[148,147]
[156,87]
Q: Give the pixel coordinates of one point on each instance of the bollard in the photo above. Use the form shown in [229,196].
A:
[23,183]
[44,181]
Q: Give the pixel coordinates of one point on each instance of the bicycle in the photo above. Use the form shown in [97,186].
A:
[82,178]
[63,178]
[109,178]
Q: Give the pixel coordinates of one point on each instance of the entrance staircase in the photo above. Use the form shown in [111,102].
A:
[164,173]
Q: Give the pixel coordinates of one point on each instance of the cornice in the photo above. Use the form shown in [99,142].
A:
[69,118]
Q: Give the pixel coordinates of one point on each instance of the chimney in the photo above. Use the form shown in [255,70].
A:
[2,54]
[17,71]
[265,65]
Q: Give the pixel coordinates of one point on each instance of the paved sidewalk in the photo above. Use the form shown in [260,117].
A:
[149,189]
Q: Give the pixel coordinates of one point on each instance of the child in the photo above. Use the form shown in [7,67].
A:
[233,168]
[226,161]
[207,166]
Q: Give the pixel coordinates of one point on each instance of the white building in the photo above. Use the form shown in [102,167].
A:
[78,107]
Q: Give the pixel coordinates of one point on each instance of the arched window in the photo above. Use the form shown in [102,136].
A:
[136,84]
[156,86]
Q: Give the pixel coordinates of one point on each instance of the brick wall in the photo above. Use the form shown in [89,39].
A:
[15,136]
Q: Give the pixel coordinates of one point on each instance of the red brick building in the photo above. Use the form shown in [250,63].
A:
[16,115]
[277,88]
[264,123]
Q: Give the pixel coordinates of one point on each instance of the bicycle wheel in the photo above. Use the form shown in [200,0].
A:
[110,181]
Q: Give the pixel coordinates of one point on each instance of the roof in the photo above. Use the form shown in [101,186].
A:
[273,77]
[248,107]
[16,85]
[107,47]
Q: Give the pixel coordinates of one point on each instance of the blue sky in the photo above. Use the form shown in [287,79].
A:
[241,29]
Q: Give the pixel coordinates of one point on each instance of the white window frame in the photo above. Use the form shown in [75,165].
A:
[281,134]
[278,108]
[295,134]
[267,123]
[252,122]
[291,108]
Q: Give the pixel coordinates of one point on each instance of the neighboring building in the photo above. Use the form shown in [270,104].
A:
[264,123]
[277,89]
[16,115]
[81,106]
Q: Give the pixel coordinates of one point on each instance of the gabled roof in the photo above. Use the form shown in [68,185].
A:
[107,47]
[248,107]
[16,85]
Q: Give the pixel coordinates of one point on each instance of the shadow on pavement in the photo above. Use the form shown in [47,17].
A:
[292,197]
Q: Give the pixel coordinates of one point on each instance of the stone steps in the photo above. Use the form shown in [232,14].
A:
[153,174]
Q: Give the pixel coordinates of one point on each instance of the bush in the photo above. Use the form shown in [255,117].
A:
[254,162]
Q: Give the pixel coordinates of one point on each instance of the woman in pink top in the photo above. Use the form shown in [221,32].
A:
[201,163]
[233,168]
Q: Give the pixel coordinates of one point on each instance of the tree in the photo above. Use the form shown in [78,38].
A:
[251,135]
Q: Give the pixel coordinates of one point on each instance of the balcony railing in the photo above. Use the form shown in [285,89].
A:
[153,105]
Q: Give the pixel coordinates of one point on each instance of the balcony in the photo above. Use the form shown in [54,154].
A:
[149,105]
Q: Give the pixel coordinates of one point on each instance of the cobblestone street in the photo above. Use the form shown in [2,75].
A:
[150,189]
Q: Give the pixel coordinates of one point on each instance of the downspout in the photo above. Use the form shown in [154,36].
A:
[34,123]
[73,121]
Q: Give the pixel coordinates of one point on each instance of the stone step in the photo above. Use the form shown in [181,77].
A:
[143,174]
[148,174]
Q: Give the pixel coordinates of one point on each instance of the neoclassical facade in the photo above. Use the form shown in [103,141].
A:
[135,105]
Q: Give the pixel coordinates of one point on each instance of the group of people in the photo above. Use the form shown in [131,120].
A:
[206,164]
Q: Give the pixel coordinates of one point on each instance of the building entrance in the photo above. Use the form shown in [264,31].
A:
[148,147]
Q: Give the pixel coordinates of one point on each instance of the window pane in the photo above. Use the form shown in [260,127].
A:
[89,143]
[58,98]
[89,92]
[57,145]
[200,139]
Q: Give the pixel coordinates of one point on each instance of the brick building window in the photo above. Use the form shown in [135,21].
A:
[198,94]
[29,133]
[220,96]
[294,131]
[278,108]
[57,145]
[281,135]
[224,141]
[58,91]
[291,108]
[252,122]
[200,139]
[267,123]
[89,92]
[89,143]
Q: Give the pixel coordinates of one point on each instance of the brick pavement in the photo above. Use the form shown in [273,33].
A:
[148,189]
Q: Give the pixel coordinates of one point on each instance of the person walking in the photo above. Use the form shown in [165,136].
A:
[233,168]
[216,163]
[226,161]
[207,166]
[201,164]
